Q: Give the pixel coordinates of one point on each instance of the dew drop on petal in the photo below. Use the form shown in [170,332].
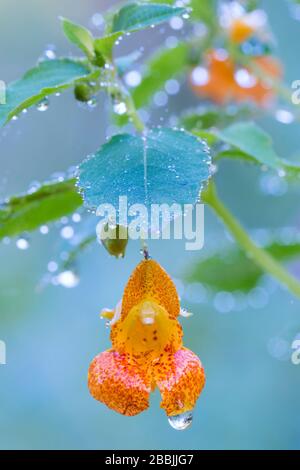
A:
[182,421]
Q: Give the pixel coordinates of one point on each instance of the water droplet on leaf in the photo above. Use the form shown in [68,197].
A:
[43,105]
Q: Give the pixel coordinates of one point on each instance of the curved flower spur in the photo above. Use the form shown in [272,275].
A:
[147,351]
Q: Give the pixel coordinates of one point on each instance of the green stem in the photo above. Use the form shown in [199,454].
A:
[258,255]
[131,110]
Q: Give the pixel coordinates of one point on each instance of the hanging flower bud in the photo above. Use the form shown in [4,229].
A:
[114,238]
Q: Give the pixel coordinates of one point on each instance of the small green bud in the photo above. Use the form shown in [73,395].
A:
[83,92]
[114,238]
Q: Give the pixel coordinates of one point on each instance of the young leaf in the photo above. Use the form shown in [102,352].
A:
[105,45]
[141,15]
[254,144]
[46,78]
[25,213]
[162,67]
[164,166]
[79,36]
[231,270]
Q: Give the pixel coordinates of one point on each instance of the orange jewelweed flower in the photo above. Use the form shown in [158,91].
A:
[147,351]
[222,82]
[241,24]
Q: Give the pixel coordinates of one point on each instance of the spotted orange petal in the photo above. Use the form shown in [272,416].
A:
[180,378]
[149,281]
[117,382]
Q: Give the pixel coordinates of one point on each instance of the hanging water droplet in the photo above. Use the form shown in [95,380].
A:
[92,103]
[185,313]
[22,243]
[182,421]
[43,105]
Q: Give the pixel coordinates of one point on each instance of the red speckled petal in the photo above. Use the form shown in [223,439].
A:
[118,383]
[180,378]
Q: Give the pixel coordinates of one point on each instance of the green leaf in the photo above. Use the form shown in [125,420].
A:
[48,77]
[79,36]
[164,166]
[105,45]
[161,68]
[254,145]
[212,116]
[141,15]
[231,270]
[205,11]
[250,139]
[27,212]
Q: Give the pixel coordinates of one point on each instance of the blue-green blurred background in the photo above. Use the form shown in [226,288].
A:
[251,399]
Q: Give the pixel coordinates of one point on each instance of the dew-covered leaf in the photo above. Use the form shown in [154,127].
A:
[79,36]
[141,15]
[164,166]
[231,270]
[27,212]
[48,77]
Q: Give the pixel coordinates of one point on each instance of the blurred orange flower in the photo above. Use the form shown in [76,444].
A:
[222,82]
[241,24]
[147,349]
